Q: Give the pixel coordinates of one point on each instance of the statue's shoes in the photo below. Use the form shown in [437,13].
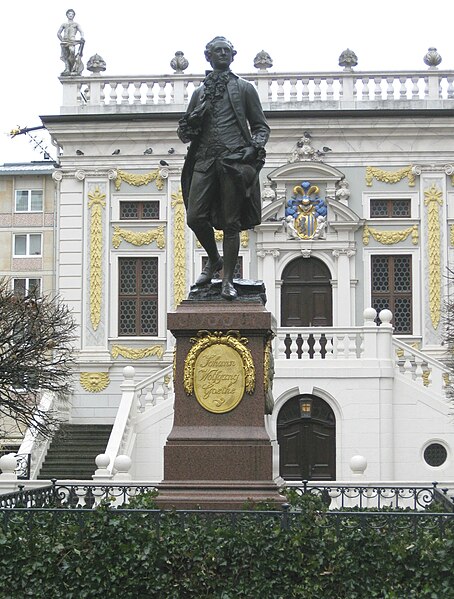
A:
[207,273]
[228,291]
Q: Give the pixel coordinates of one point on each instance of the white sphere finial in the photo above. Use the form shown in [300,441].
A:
[102,460]
[369,315]
[385,316]
[8,465]
[358,464]
[129,372]
[122,464]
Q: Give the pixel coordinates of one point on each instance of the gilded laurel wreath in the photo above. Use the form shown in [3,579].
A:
[206,339]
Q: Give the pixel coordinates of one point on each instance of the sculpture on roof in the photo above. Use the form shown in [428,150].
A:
[71,47]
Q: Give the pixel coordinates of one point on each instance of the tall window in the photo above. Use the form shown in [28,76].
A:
[138,296]
[392,289]
[25,287]
[29,200]
[28,244]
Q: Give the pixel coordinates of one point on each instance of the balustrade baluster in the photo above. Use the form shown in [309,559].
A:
[125,93]
[149,399]
[137,92]
[365,88]
[305,347]
[340,346]
[305,92]
[329,89]
[317,89]
[415,88]
[390,88]
[292,346]
[317,347]
[280,90]
[162,92]
[403,88]
[150,94]
[450,89]
[293,92]
[280,347]
[377,88]
[159,391]
[113,93]
[418,370]
[103,93]
[407,365]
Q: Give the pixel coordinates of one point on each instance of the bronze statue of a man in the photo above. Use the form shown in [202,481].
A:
[228,131]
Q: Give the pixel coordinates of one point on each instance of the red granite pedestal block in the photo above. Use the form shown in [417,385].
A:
[219,460]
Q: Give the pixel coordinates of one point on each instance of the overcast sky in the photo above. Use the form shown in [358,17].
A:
[138,37]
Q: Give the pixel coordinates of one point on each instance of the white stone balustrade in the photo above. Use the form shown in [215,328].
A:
[419,367]
[296,91]
[135,398]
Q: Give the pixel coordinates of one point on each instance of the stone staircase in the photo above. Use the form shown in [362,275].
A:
[72,452]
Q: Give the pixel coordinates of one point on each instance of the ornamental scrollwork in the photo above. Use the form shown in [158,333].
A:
[138,180]
[390,237]
[96,204]
[433,200]
[179,248]
[134,353]
[206,339]
[379,174]
[139,238]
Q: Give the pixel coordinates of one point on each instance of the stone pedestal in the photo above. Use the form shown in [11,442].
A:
[219,460]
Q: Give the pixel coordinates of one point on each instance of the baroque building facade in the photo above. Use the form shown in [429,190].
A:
[357,221]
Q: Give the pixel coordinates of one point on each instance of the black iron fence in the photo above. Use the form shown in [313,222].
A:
[352,497]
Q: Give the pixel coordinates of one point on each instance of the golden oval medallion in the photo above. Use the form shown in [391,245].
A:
[219,378]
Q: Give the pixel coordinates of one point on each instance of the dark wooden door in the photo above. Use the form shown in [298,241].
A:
[306,299]
[306,433]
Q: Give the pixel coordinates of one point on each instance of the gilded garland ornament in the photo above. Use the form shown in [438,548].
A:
[373,172]
[96,204]
[179,248]
[94,381]
[138,180]
[219,236]
[134,353]
[390,237]
[218,370]
[433,200]
[140,238]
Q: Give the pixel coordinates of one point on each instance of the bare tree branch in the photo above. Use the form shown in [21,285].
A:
[36,355]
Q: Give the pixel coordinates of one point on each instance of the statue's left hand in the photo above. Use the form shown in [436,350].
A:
[249,154]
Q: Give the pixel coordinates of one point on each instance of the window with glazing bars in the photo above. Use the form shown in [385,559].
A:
[390,208]
[391,288]
[138,296]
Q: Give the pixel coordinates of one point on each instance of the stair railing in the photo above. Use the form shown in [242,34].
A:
[419,367]
[135,399]
[34,444]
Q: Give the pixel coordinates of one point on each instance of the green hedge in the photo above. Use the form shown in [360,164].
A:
[129,556]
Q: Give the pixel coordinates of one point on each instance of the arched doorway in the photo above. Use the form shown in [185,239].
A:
[306,433]
[306,297]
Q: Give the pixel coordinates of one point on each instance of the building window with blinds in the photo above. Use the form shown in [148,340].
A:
[138,296]
[392,289]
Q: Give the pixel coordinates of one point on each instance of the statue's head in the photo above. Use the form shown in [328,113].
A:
[220,53]
[71,12]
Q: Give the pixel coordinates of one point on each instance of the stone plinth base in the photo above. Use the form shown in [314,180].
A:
[216,495]
[220,459]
